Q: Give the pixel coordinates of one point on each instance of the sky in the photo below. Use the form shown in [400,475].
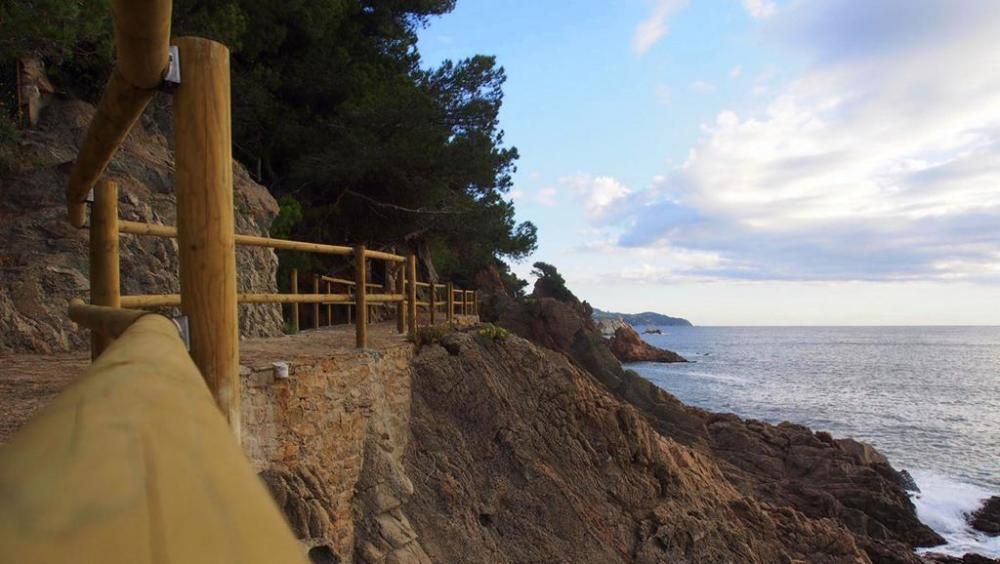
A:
[754,162]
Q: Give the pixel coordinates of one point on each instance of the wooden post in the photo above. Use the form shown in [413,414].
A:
[411,273]
[433,301]
[105,283]
[401,305]
[316,305]
[451,302]
[475,302]
[350,292]
[295,307]
[329,306]
[205,218]
[361,296]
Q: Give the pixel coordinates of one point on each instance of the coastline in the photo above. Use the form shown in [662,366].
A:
[945,499]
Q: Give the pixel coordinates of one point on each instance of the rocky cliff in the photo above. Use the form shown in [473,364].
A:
[518,455]
[43,261]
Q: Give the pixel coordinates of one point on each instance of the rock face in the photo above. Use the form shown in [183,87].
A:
[987,518]
[785,465]
[607,327]
[519,456]
[628,346]
[43,260]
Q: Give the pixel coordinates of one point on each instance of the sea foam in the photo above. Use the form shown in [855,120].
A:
[944,505]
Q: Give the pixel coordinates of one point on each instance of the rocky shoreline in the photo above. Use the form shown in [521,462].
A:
[841,483]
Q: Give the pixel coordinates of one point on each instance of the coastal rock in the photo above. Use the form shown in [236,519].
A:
[785,465]
[44,260]
[628,346]
[986,519]
[607,327]
[966,559]
[517,455]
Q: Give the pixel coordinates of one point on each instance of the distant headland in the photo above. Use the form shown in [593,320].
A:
[644,318]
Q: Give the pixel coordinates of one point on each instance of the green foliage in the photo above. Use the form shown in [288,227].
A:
[73,37]
[335,114]
[514,285]
[289,214]
[550,283]
[432,335]
[493,332]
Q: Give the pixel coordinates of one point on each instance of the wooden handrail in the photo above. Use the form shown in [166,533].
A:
[384,256]
[174,300]
[156,230]
[142,34]
[134,463]
[107,321]
[347,282]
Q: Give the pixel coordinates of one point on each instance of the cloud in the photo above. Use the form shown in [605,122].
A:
[601,194]
[654,27]
[736,71]
[880,162]
[547,196]
[759,9]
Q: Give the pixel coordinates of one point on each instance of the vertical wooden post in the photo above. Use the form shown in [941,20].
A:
[295,307]
[360,297]
[451,302]
[105,282]
[411,273]
[205,218]
[433,301]
[329,306]
[350,292]
[401,305]
[316,305]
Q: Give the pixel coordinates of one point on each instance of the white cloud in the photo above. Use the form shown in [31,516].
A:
[654,27]
[547,196]
[880,162]
[736,71]
[759,9]
[600,194]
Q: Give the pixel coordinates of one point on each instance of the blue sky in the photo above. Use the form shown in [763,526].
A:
[754,161]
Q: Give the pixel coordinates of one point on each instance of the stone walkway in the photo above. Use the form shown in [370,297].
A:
[29,381]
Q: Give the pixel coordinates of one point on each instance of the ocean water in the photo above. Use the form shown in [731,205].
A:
[926,397]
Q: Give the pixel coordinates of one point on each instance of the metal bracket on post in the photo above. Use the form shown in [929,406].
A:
[89,202]
[184,328]
[172,78]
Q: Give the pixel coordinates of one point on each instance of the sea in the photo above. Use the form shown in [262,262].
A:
[928,398]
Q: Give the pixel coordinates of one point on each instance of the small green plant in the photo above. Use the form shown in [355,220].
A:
[431,335]
[493,332]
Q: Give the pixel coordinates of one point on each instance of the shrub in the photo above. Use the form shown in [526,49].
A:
[493,332]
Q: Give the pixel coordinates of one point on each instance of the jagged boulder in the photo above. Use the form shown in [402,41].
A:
[44,260]
[987,518]
[628,346]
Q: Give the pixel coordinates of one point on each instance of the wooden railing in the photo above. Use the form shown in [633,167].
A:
[205,231]
[133,463]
